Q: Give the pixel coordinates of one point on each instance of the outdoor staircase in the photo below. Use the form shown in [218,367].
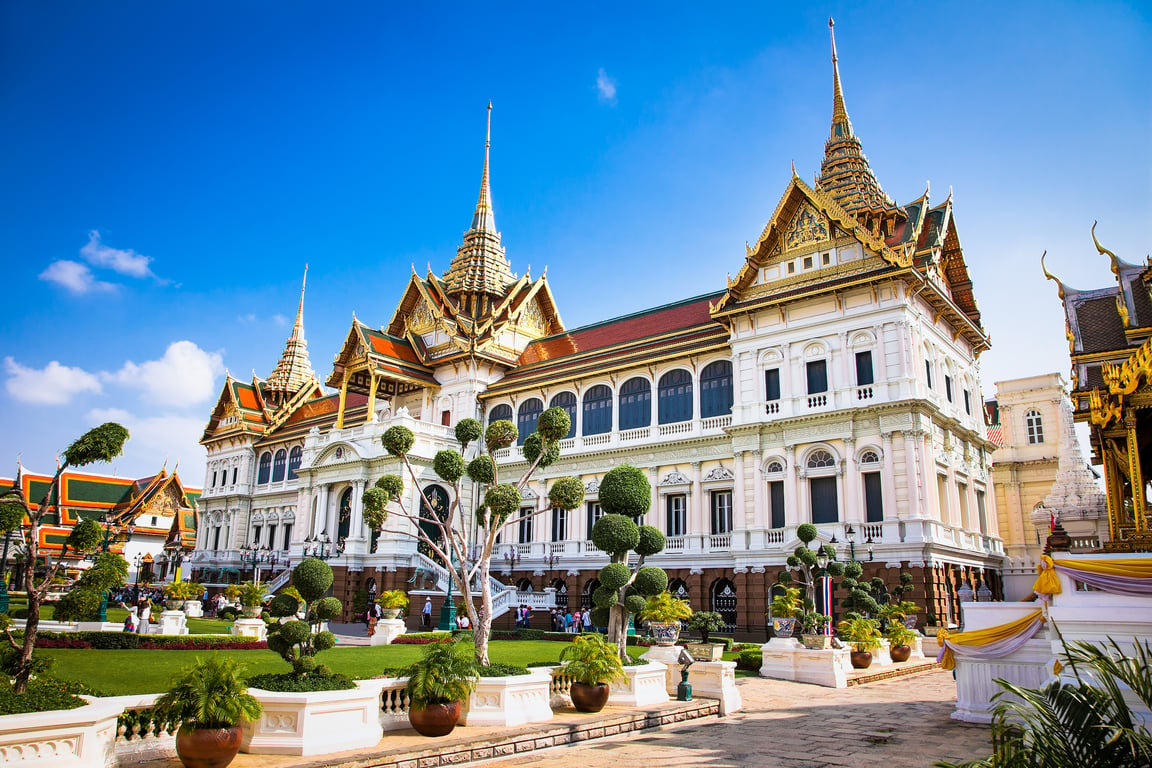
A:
[504,598]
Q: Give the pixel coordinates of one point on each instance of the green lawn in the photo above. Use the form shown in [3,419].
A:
[148,671]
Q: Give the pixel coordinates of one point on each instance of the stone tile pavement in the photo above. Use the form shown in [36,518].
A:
[898,723]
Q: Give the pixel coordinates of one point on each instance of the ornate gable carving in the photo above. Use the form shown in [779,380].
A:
[674,478]
[421,320]
[807,226]
[720,473]
[592,488]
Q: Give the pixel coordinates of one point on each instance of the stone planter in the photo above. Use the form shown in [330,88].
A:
[174,605]
[193,609]
[173,622]
[783,627]
[665,633]
[707,651]
[391,613]
[253,628]
[786,659]
[643,686]
[67,738]
[252,612]
[317,722]
[508,701]
[716,680]
[817,642]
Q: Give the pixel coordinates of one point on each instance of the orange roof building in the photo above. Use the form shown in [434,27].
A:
[831,378]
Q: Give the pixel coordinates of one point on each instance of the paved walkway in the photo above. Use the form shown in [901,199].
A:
[899,723]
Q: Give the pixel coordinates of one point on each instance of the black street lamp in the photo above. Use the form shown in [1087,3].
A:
[512,557]
[320,547]
[850,534]
[109,535]
[138,561]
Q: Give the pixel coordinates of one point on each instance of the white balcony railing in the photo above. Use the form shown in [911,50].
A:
[720,542]
[774,536]
[674,544]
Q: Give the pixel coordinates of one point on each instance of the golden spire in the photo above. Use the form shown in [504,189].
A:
[841,125]
[294,368]
[484,220]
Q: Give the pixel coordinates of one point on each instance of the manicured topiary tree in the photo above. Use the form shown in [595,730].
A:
[299,641]
[803,562]
[102,443]
[625,496]
[82,603]
[496,503]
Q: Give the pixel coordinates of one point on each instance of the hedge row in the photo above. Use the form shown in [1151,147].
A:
[116,641]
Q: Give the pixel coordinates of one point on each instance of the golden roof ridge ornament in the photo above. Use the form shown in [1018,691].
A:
[1059,285]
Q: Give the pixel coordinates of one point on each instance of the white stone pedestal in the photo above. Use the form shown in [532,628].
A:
[787,659]
[173,623]
[97,626]
[387,630]
[669,655]
[716,680]
[193,609]
[253,628]
[641,687]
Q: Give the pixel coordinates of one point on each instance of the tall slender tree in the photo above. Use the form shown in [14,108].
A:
[102,443]
[463,543]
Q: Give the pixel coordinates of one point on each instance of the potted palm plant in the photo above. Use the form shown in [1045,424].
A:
[393,603]
[899,640]
[592,663]
[438,684]
[251,596]
[177,592]
[706,622]
[785,608]
[663,612]
[863,635]
[210,700]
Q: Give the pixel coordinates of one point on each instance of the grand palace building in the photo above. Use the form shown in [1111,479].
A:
[833,380]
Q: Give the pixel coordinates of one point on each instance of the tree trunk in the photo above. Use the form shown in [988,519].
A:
[24,666]
[482,628]
[618,629]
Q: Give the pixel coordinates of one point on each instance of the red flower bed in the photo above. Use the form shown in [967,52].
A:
[192,645]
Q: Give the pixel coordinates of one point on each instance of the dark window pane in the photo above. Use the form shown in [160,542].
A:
[529,412]
[598,410]
[265,468]
[776,496]
[716,389]
[721,512]
[294,458]
[817,376]
[772,384]
[635,404]
[873,497]
[824,502]
[675,507]
[863,369]
[948,388]
[502,412]
[675,397]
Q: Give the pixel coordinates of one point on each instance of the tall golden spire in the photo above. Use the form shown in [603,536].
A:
[845,173]
[841,125]
[480,268]
[294,369]
[484,219]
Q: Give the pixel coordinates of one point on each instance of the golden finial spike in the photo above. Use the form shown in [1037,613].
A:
[1104,251]
[300,312]
[1052,277]
[483,220]
[839,111]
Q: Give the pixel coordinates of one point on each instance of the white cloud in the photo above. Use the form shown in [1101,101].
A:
[54,384]
[280,320]
[124,261]
[185,375]
[74,276]
[153,439]
[606,87]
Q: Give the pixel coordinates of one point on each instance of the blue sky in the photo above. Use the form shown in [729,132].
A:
[170,167]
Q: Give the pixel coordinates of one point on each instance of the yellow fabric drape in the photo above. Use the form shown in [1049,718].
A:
[1047,583]
[983,636]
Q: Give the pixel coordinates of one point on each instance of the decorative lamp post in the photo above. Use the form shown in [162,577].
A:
[109,535]
[511,558]
[138,561]
[320,547]
[448,607]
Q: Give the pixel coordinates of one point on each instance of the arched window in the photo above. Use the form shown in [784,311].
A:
[675,396]
[438,498]
[502,412]
[1035,427]
[590,586]
[598,410]
[873,487]
[822,488]
[265,468]
[567,401]
[526,417]
[345,519]
[774,466]
[635,404]
[723,596]
[678,588]
[561,593]
[294,458]
[278,465]
[869,457]
[821,460]
[524,585]
[716,389]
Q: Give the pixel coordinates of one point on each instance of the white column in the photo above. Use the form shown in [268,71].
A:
[888,476]
[792,515]
[758,513]
[356,528]
[852,503]
[915,509]
[739,508]
[696,524]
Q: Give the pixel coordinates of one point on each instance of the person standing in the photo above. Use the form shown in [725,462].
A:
[426,613]
[587,621]
[144,612]
[374,614]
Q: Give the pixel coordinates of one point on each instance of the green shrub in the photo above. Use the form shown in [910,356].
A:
[398,440]
[615,533]
[502,500]
[502,670]
[612,577]
[313,578]
[468,430]
[43,695]
[554,424]
[650,580]
[566,493]
[651,541]
[482,469]
[228,613]
[500,434]
[448,465]
[751,659]
[807,532]
[625,490]
[534,447]
[289,682]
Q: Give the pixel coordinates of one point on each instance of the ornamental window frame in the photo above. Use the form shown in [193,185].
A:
[264,471]
[295,458]
[1034,426]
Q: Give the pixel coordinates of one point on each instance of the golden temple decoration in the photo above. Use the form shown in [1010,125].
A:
[807,226]
[1103,409]
[1124,379]
[1052,277]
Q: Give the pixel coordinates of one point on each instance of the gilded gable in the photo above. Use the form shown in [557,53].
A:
[807,226]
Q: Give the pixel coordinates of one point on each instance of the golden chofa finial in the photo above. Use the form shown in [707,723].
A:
[1052,277]
[1104,251]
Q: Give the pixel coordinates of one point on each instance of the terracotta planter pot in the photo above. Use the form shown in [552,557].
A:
[435,719]
[900,652]
[589,698]
[861,659]
[207,747]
